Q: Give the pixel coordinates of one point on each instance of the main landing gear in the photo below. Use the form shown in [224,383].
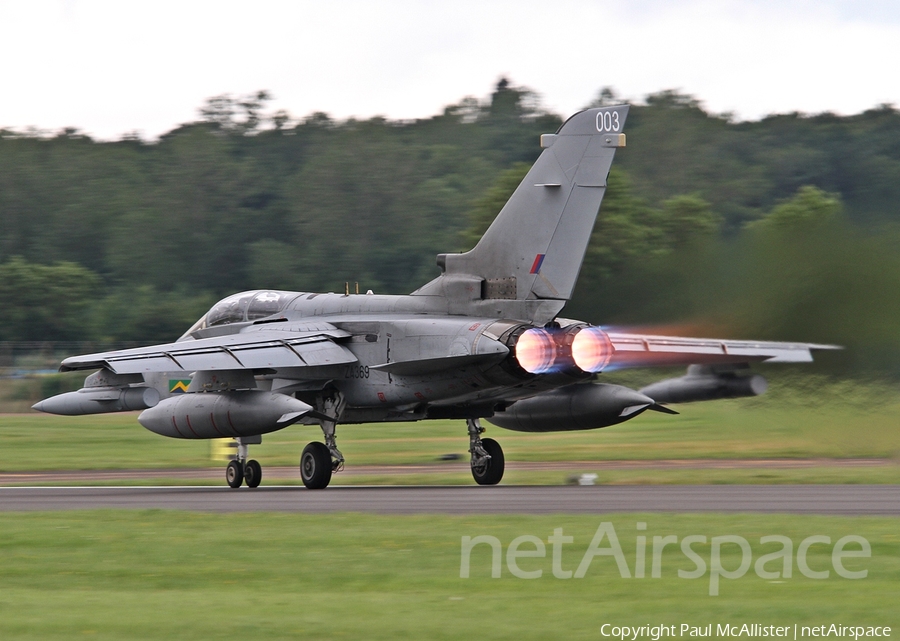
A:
[241,470]
[316,466]
[487,455]
[320,460]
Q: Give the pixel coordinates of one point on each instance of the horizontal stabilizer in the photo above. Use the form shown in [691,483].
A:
[645,350]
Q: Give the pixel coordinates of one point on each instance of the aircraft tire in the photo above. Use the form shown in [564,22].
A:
[234,474]
[491,473]
[315,466]
[252,473]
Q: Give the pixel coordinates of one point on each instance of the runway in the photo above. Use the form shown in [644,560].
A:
[281,474]
[847,500]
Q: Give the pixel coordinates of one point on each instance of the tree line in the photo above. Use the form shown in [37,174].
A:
[781,228]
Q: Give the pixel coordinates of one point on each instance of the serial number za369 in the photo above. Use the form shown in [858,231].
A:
[356,371]
[608,121]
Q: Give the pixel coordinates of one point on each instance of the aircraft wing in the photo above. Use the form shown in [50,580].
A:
[306,345]
[645,350]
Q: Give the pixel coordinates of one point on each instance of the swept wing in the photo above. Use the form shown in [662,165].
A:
[303,345]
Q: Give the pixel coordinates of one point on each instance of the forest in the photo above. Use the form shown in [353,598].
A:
[784,228]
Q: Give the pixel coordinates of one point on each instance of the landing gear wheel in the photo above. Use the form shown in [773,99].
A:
[234,474]
[491,471]
[315,466]
[252,473]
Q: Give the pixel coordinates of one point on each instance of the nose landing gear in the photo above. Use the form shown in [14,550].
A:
[241,470]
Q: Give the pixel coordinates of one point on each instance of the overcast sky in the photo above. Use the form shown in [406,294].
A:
[111,67]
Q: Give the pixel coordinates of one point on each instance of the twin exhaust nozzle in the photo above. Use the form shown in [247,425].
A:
[540,350]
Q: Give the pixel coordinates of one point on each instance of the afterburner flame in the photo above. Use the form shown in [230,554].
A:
[591,349]
[536,351]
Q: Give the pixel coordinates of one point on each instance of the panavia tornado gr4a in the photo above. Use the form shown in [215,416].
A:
[484,340]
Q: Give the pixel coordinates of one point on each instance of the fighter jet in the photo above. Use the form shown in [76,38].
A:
[483,340]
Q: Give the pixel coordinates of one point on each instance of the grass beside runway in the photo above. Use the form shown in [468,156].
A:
[824,420]
[162,575]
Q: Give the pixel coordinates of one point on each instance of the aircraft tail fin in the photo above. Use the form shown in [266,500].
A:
[527,262]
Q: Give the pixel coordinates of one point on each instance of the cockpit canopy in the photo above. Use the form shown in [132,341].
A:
[243,307]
